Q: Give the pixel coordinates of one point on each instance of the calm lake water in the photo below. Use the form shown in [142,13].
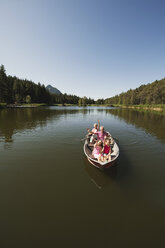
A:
[52,197]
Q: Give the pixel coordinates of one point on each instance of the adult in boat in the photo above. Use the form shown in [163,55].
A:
[95,128]
[93,131]
[102,135]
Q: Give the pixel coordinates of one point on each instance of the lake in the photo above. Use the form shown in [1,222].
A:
[52,197]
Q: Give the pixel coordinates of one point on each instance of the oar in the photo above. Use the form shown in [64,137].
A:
[115,139]
[84,138]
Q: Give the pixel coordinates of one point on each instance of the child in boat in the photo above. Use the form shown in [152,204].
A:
[97,151]
[107,150]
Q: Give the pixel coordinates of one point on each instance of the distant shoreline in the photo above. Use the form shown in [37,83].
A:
[36,105]
[157,108]
[33,105]
[154,107]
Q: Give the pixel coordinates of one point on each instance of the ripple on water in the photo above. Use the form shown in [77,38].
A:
[135,138]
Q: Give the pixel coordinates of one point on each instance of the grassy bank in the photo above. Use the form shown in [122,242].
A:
[3,105]
[154,107]
[32,105]
[26,105]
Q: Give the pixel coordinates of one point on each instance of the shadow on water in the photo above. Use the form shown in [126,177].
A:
[151,122]
[118,173]
[98,177]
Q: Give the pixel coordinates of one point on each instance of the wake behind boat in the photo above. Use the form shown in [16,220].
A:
[88,148]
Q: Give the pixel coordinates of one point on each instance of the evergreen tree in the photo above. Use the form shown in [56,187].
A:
[15,90]
[3,85]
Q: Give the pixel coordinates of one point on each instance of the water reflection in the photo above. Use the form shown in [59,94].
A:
[13,121]
[45,172]
[153,123]
[100,178]
[119,173]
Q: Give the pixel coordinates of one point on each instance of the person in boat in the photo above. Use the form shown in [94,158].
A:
[97,151]
[93,131]
[102,135]
[95,128]
[107,150]
[111,140]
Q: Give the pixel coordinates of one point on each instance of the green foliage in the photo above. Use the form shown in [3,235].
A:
[18,91]
[84,101]
[28,99]
[100,101]
[153,93]
[3,85]
[80,102]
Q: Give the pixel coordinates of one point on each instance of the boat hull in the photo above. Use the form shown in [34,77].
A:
[100,166]
[95,162]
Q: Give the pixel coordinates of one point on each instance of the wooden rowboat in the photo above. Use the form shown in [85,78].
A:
[88,148]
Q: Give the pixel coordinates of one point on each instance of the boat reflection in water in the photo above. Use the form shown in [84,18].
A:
[100,178]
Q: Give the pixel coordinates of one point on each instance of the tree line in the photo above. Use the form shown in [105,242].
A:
[18,91]
[152,93]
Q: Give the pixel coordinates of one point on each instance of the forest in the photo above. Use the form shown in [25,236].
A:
[19,91]
[152,93]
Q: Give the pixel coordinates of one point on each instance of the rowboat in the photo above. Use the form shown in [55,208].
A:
[88,148]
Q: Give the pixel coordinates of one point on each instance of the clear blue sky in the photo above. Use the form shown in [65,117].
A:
[95,48]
